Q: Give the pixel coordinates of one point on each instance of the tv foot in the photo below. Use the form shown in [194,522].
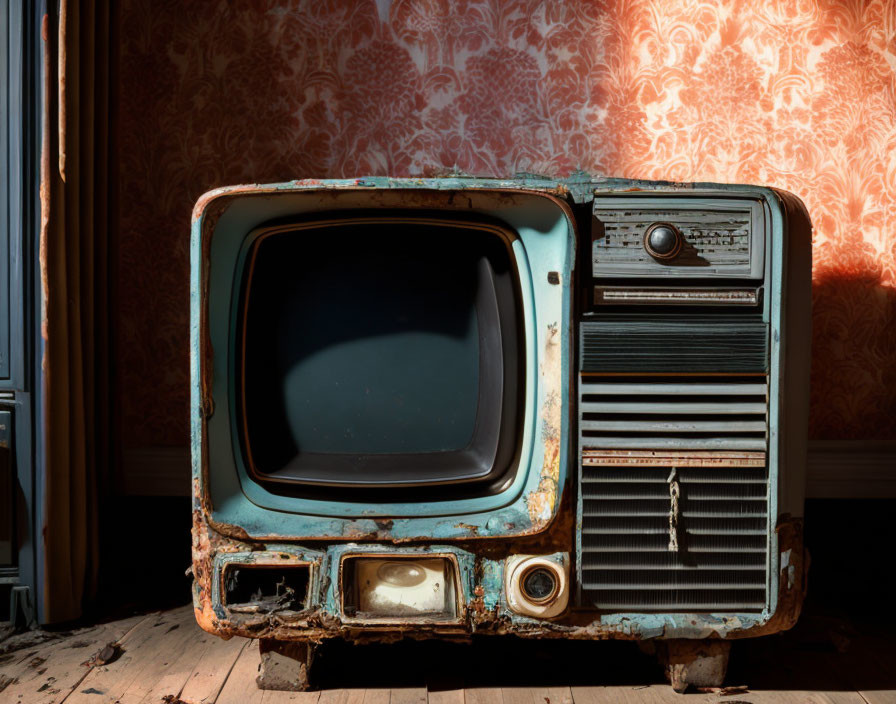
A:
[285,665]
[697,663]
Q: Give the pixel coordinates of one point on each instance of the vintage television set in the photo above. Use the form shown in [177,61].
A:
[557,409]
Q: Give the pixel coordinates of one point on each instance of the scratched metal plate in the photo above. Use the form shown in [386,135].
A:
[722,236]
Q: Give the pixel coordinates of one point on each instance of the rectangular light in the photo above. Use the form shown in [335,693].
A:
[399,588]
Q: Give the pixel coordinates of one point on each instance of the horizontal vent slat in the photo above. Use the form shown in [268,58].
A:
[621,495]
[638,478]
[660,507]
[724,549]
[700,524]
[665,531]
[638,513]
[684,426]
[636,389]
[682,606]
[674,585]
[620,541]
[663,442]
[611,419]
[671,561]
[717,407]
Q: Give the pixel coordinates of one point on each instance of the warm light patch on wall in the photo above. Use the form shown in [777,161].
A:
[791,94]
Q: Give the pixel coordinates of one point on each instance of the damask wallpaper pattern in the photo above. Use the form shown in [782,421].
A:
[799,94]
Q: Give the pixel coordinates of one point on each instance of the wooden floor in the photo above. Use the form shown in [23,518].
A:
[166,658]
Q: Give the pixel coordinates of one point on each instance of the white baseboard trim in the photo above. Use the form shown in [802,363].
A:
[839,469]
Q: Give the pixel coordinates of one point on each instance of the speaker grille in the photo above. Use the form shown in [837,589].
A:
[674,538]
[674,490]
[693,344]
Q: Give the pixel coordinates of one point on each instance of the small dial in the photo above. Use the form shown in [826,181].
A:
[663,240]
[539,584]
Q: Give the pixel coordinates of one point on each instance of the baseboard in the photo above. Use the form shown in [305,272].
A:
[838,469]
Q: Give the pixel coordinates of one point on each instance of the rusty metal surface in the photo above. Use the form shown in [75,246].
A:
[484,605]
[530,504]
[542,521]
[668,458]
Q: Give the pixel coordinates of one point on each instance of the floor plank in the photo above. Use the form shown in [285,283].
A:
[404,695]
[212,669]
[445,696]
[377,696]
[483,695]
[240,686]
[167,654]
[290,697]
[146,657]
[536,695]
[171,668]
[642,694]
[49,673]
[553,695]
[341,696]
[803,696]
[518,695]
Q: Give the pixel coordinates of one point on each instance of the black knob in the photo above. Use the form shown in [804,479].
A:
[663,241]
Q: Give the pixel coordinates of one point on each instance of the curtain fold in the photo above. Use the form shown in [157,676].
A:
[74,250]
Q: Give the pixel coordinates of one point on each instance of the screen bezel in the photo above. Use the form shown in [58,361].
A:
[502,463]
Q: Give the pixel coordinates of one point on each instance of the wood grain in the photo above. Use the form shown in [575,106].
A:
[166,654]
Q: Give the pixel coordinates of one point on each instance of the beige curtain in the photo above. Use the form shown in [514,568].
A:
[77,173]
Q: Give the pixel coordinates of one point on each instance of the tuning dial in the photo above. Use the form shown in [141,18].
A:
[663,241]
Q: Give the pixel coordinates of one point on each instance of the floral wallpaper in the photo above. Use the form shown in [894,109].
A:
[799,94]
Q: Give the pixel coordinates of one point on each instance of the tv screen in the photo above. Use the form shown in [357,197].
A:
[380,352]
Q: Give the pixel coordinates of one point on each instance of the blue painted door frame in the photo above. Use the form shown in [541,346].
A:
[21,69]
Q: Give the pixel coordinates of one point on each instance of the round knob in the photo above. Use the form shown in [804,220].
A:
[663,241]
[539,584]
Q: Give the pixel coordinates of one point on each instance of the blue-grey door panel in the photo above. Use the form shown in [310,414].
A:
[5,219]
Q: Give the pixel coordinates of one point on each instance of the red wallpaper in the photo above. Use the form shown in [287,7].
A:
[799,94]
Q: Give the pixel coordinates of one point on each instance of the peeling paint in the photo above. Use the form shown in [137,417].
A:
[529,503]
[484,606]
[542,502]
[537,517]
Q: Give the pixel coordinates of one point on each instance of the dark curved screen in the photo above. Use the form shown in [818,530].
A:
[380,354]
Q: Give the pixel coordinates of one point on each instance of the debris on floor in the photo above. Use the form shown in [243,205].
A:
[725,691]
[6,681]
[105,655]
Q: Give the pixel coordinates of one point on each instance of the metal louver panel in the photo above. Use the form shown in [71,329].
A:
[674,490]
[662,538]
[696,344]
[654,413]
